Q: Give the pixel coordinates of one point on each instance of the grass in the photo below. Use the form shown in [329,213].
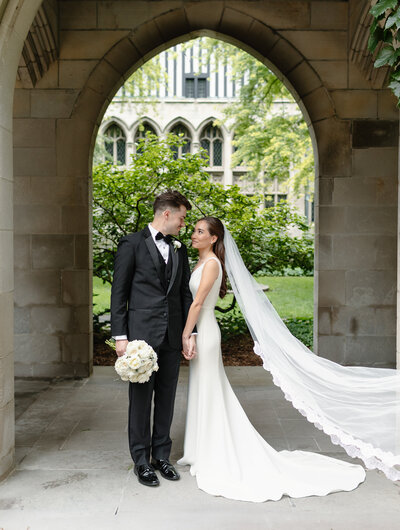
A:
[101,295]
[292,296]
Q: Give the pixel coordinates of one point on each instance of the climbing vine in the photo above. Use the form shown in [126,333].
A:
[385,31]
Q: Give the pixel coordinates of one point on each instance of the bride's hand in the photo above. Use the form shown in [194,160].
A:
[192,347]
[189,347]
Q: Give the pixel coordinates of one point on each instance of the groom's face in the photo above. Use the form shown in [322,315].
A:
[175,220]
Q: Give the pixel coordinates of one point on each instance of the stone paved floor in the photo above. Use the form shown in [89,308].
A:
[74,470]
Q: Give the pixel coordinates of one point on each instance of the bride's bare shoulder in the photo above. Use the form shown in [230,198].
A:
[211,266]
[214,260]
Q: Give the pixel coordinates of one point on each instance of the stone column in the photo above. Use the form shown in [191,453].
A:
[15,19]
[357,236]
[6,290]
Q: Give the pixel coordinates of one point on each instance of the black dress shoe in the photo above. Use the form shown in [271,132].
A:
[166,469]
[146,475]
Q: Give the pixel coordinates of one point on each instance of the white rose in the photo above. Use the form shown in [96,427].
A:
[143,378]
[177,244]
[134,363]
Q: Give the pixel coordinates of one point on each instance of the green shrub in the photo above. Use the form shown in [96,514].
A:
[287,271]
[233,324]
[302,329]
[123,197]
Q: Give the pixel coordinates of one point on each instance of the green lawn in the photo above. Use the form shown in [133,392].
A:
[101,295]
[292,296]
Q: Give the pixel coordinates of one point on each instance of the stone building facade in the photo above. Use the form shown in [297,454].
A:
[61,63]
[191,97]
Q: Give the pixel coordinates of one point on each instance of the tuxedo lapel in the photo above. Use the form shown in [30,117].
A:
[151,246]
[174,255]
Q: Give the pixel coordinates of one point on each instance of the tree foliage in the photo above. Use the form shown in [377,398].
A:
[269,138]
[123,200]
[385,34]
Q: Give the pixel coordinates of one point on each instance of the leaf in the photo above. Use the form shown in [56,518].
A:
[393,20]
[374,38]
[395,86]
[387,36]
[386,56]
[380,7]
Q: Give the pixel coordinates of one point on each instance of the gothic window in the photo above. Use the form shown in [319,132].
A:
[141,133]
[115,144]
[182,131]
[142,130]
[211,140]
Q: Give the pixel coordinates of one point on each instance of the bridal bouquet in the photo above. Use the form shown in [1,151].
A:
[138,362]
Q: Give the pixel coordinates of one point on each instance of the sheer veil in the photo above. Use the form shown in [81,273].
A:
[358,407]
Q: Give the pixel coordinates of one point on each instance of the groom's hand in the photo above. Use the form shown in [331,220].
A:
[185,347]
[120,346]
[191,349]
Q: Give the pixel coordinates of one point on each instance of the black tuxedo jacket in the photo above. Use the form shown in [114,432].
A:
[143,304]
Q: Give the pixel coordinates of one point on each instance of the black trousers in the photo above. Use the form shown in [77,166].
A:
[162,385]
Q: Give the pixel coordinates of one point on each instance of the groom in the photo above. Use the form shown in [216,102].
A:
[150,300]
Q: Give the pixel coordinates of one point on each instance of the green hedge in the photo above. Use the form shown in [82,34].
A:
[233,324]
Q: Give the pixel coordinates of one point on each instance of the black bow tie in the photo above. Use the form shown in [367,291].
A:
[166,238]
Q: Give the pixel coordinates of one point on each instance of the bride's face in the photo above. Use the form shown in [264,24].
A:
[201,237]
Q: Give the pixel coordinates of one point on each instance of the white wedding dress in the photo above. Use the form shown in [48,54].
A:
[222,448]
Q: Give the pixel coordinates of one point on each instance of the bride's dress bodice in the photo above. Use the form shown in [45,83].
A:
[224,450]
[212,297]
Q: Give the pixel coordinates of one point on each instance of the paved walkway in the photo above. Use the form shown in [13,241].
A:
[74,471]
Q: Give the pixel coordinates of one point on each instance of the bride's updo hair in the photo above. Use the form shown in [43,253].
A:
[216,228]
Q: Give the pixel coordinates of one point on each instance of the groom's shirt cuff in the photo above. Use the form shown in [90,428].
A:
[120,337]
[193,334]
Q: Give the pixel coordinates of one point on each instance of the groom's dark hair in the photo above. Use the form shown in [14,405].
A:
[170,199]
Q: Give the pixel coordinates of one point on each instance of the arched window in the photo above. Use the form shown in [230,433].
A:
[142,130]
[115,144]
[182,131]
[141,133]
[211,140]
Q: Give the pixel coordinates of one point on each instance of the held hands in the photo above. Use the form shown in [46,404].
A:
[189,347]
[120,346]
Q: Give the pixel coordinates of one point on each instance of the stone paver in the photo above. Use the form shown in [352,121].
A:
[74,469]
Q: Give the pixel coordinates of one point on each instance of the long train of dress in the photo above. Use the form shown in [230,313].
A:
[225,452]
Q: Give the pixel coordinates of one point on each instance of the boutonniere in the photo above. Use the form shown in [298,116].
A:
[177,244]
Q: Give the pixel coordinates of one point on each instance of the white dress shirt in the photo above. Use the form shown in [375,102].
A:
[161,244]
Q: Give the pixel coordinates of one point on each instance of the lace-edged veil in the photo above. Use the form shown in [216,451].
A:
[358,407]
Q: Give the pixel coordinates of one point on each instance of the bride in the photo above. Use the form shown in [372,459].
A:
[222,448]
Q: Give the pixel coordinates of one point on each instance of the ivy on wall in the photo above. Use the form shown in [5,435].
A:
[385,30]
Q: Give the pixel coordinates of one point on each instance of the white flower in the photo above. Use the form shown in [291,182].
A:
[138,362]
[177,244]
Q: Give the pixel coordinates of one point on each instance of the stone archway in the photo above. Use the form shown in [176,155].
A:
[355,124]
[301,79]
